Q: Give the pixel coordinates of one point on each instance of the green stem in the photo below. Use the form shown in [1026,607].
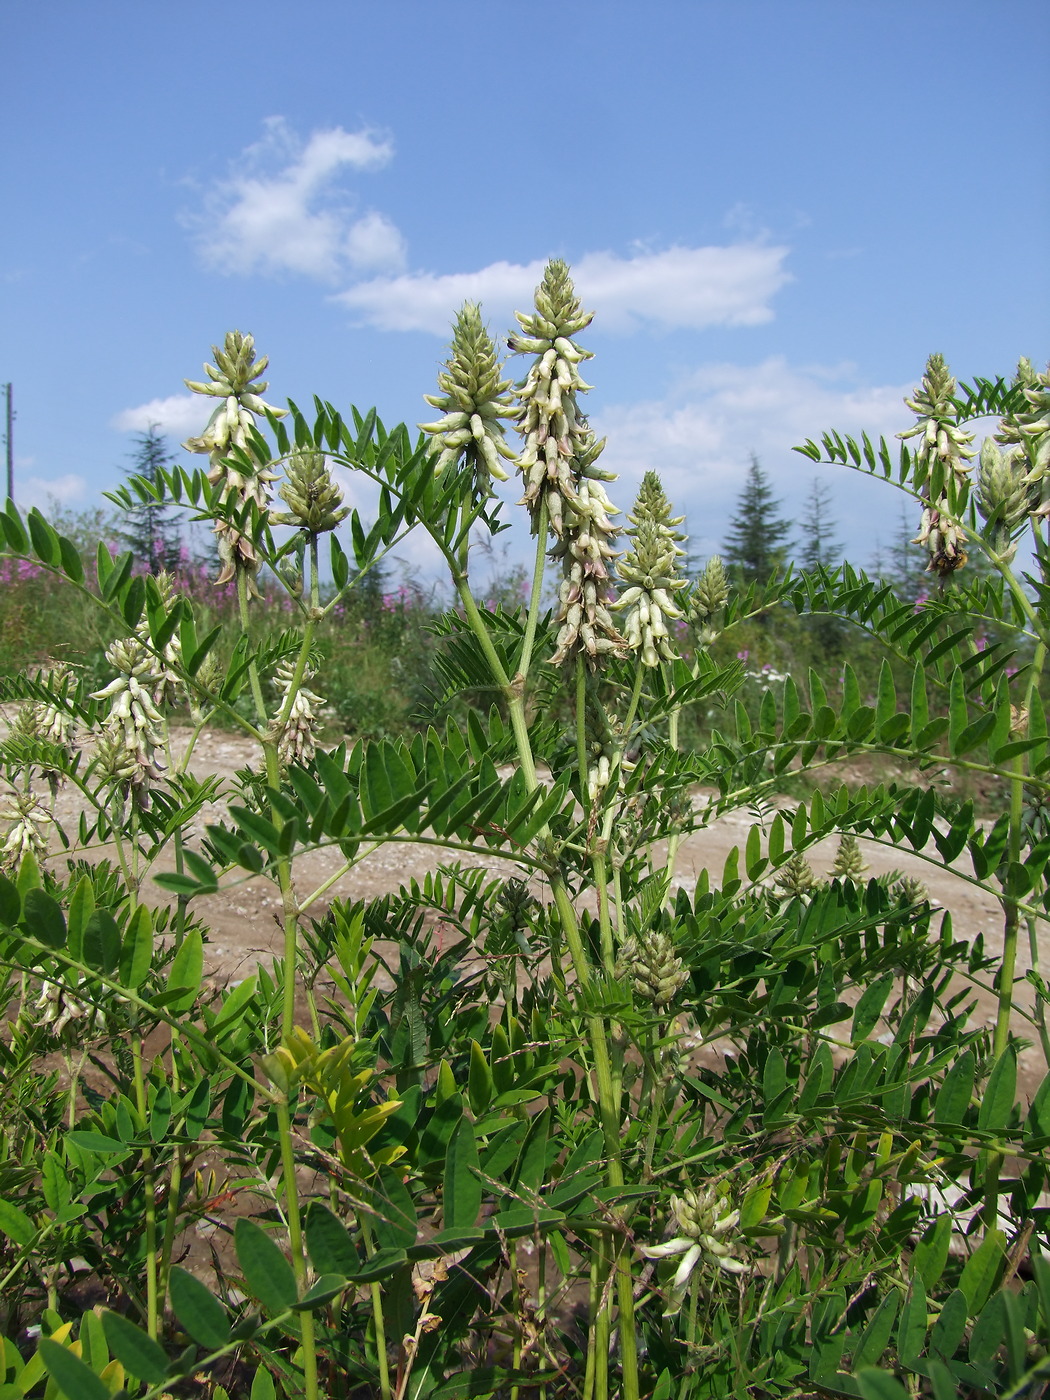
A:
[377,1315]
[537,588]
[254,683]
[1011,921]
[295,1241]
[149,1206]
[610,1120]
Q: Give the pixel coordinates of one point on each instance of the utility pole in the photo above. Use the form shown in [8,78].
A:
[10,445]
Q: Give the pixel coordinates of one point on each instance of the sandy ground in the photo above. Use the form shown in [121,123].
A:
[244,917]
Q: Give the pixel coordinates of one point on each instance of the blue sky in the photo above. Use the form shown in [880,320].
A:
[776,210]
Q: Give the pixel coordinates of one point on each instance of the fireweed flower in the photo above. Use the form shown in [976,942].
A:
[702,1220]
[236,379]
[314,500]
[559,466]
[650,571]
[474,400]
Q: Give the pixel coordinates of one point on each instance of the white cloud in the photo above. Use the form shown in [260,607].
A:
[680,287]
[44,492]
[701,435]
[179,415]
[280,209]
[374,244]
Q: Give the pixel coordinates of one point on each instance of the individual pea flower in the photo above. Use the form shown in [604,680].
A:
[474,401]
[795,877]
[294,732]
[653,967]
[650,571]
[227,441]
[168,687]
[1002,495]
[1029,430]
[30,817]
[941,441]
[64,1012]
[314,499]
[134,725]
[943,538]
[702,1221]
[849,863]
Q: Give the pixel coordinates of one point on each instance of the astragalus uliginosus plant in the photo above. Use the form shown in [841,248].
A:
[586,1129]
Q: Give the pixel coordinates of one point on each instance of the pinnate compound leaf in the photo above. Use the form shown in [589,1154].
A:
[879,1385]
[137,1352]
[198,1310]
[43,918]
[101,941]
[462,1186]
[136,953]
[184,977]
[1000,1093]
[330,1246]
[931,1253]
[876,1335]
[75,1380]
[267,1272]
[953,1097]
[982,1270]
[10,902]
[15,1224]
[262,1386]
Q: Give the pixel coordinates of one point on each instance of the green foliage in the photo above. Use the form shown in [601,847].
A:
[752,1122]
[756,546]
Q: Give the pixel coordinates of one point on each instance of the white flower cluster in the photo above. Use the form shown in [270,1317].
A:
[943,453]
[475,400]
[559,465]
[131,747]
[1029,433]
[235,378]
[296,734]
[61,1009]
[650,571]
[29,816]
[703,1219]
[940,437]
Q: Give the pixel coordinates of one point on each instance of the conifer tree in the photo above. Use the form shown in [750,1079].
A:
[818,547]
[757,541]
[150,532]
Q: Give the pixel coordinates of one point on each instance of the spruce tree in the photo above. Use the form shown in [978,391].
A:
[757,541]
[818,547]
[150,532]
